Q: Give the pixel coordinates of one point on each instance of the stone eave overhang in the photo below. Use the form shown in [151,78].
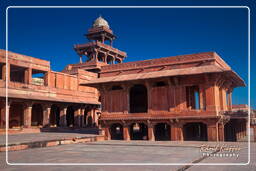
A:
[156,74]
[81,48]
[159,117]
[44,98]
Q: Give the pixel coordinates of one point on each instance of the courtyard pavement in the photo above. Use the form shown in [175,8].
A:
[131,152]
[43,136]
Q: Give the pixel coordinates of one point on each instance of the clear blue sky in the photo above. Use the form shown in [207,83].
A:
[143,33]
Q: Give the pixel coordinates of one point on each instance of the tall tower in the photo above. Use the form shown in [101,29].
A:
[99,50]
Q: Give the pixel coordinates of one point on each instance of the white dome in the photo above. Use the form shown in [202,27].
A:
[99,22]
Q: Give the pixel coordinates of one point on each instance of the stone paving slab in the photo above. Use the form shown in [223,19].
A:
[120,151]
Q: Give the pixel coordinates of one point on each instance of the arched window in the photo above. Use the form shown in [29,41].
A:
[138,99]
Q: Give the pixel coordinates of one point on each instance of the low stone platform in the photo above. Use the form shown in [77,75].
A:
[45,139]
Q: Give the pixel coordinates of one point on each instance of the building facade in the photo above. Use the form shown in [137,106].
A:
[174,98]
[186,97]
[39,97]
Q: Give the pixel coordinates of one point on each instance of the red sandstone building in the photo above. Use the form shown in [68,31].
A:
[185,97]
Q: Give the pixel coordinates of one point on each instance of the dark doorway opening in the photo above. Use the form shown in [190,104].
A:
[16,115]
[116,132]
[37,115]
[55,116]
[162,132]
[139,131]
[196,131]
[70,116]
[138,99]
[230,130]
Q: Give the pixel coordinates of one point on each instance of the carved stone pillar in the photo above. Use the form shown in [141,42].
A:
[28,76]
[107,133]
[176,132]
[151,135]
[63,113]
[230,100]
[27,115]
[221,132]
[77,117]
[202,97]
[4,72]
[149,88]
[126,132]
[46,115]
[82,117]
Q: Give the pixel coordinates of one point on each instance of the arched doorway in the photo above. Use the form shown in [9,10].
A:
[70,117]
[116,132]
[138,99]
[55,115]
[16,115]
[139,131]
[195,131]
[162,132]
[37,115]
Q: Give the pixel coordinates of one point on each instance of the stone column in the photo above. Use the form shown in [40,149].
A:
[148,85]
[63,121]
[221,132]
[126,132]
[77,117]
[151,135]
[28,115]
[202,97]
[107,133]
[82,117]
[28,76]
[46,115]
[4,72]
[176,132]
[230,100]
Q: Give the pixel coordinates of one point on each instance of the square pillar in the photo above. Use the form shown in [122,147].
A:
[28,76]
[221,132]
[176,132]
[77,117]
[230,101]
[46,115]
[107,133]
[63,121]
[126,133]
[149,88]
[202,97]
[151,135]
[82,117]
[27,116]
[4,72]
